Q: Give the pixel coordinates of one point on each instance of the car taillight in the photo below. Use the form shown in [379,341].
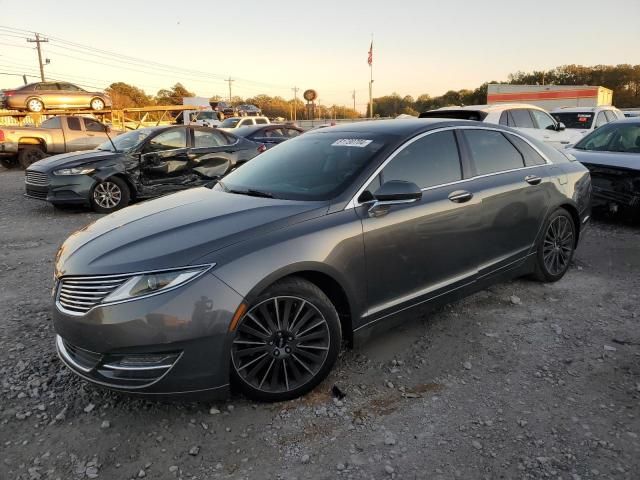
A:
[1,136]
[8,93]
[262,148]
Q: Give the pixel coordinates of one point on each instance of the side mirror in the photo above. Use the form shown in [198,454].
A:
[560,126]
[394,192]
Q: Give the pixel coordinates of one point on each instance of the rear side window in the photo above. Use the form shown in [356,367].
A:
[504,118]
[291,132]
[207,139]
[429,161]
[74,123]
[53,122]
[521,118]
[601,120]
[261,121]
[170,140]
[531,156]
[492,152]
[46,86]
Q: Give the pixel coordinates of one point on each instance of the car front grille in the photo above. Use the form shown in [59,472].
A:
[36,178]
[32,192]
[79,294]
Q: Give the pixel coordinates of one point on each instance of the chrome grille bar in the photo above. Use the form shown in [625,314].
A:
[77,295]
[36,178]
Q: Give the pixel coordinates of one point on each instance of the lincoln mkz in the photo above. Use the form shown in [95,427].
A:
[258,281]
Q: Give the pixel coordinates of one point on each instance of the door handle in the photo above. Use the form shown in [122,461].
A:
[532,179]
[460,196]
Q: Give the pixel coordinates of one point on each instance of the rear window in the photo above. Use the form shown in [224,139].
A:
[477,115]
[579,120]
[230,123]
[310,167]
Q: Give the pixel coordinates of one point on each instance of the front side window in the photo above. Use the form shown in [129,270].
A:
[429,161]
[93,126]
[207,139]
[246,122]
[492,152]
[310,167]
[611,117]
[292,132]
[126,141]
[74,123]
[230,123]
[68,87]
[613,137]
[171,140]
[544,121]
[521,118]
[261,121]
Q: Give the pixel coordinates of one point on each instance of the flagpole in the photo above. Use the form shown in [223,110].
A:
[371,81]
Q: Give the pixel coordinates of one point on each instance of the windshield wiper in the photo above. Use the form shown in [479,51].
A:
[252,193]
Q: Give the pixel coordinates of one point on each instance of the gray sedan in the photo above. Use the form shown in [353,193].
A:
[258,281]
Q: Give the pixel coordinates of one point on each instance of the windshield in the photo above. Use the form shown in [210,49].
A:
[126,141]
[312,167]
[206,115]
[230,123]
[581,120]
[616,137]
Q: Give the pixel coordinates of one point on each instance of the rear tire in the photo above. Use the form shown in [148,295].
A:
[97,104]
[110,195]
[286,343]
[556,247]
[30,154]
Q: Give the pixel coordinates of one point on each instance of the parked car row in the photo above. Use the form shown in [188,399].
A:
[257,280]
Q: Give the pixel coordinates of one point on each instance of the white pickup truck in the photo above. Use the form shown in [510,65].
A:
[26,145]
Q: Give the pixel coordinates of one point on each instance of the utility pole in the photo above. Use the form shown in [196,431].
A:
[38,41]
[230,81]
[353,95]
[295,103]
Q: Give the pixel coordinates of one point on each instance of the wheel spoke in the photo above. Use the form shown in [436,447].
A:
[315,325]
[275,306]
[304,365]
[264,311]
[252,331]
[252,361]
[293,322]
[251,350]
[286,376]
[273,360]
[255,320]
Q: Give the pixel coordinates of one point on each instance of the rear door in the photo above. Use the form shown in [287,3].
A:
[74,135]
[422,249]
[512,183]
[50,94]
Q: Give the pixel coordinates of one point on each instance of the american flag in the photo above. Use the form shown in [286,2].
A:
[370,58]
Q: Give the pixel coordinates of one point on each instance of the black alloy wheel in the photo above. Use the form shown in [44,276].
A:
[286,343]
[556,249]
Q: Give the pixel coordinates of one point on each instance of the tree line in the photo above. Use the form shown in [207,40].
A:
[623,79]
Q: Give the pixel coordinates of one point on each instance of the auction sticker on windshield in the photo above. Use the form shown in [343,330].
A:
[351,142]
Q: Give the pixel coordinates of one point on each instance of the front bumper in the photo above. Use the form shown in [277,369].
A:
[62,189]
[171,344]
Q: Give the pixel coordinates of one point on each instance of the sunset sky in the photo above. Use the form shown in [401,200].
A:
[269,47]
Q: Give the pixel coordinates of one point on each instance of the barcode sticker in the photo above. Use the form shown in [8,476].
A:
[351,142]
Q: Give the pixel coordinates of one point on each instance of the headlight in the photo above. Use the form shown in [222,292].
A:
[151,283]
[74,171]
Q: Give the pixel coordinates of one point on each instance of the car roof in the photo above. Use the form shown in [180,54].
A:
[489,108]
[404,127]
[582,109]
[261,126]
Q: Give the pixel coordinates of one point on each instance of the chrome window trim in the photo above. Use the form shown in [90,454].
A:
[353,203]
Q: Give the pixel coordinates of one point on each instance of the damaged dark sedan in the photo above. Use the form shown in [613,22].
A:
[259,280]
[612,155]
[140,164]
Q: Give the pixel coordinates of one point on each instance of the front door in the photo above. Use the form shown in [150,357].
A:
[94,133]
[422,249]
[165,163]
[547,127]
[74,135]
[212,154]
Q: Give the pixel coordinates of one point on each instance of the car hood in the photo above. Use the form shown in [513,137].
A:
[607,159]
[175,230]
[74,159]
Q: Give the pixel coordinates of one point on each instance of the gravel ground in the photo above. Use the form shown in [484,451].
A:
[523,380]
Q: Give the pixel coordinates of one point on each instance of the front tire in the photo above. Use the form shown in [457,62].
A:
[110,195]
[35,105]
[286,343]
[97,104]
[556,247]
[8,162]
[30,154]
